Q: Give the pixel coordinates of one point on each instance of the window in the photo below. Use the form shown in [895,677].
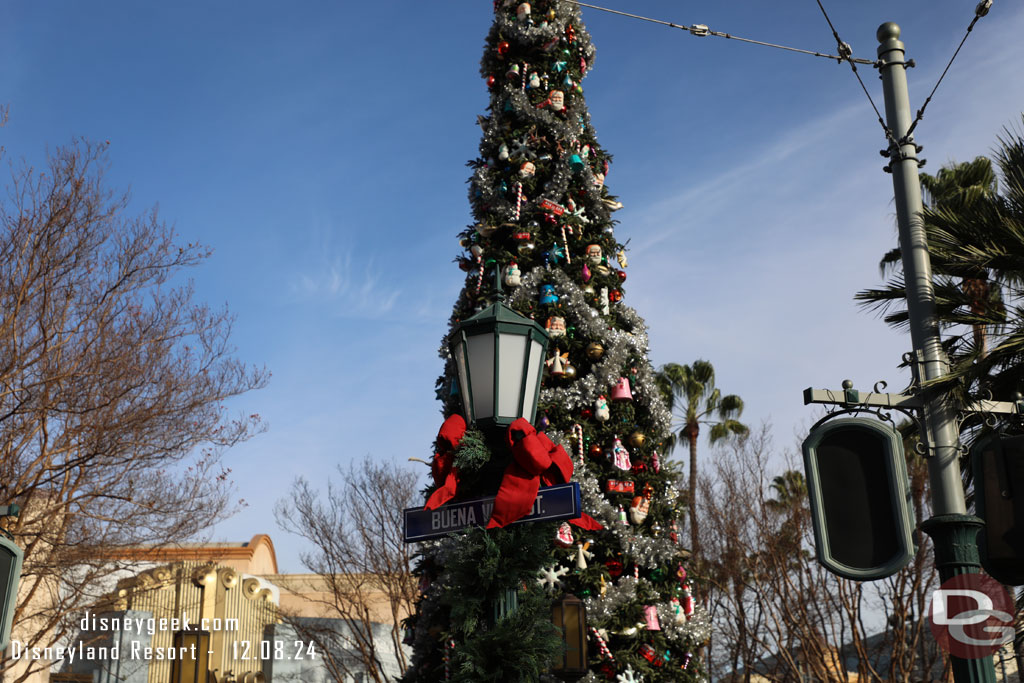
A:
[191,657]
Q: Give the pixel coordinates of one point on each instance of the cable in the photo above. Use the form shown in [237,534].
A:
[702,30]
[981,10]
[845,51]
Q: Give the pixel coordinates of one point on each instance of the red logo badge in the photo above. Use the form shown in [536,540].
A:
[971,616]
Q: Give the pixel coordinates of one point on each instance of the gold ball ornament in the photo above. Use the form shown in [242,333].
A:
[637,439]
[570,373]
[595,350]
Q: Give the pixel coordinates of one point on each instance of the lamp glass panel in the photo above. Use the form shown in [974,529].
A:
[460,366]
[533,367]
[511,357]
[480,349]
[571,618]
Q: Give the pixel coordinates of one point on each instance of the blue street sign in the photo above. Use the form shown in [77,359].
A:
[553,502]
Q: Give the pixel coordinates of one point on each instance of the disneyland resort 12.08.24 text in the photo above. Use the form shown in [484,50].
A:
[137,650]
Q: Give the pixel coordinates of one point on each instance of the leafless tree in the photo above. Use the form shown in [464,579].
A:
[355,531]
[113,384]
[779,615]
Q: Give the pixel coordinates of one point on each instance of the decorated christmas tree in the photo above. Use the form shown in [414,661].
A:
[543,244]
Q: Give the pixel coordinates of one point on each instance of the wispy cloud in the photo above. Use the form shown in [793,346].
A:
[360,286]
[347,279]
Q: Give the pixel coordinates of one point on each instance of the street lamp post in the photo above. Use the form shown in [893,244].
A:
[953,531]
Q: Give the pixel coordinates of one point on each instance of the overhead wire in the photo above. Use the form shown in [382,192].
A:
[843,48]
[979,11]
[845,51]
[703,30]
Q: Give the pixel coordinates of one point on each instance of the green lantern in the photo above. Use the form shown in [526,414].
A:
[11,557]
[499,356]
[569,614]
[859,498]
[998,464]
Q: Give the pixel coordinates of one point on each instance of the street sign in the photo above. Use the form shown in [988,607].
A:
[10,574]
[859,496]
[561,501]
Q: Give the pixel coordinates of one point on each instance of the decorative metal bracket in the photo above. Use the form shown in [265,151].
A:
[12,510]
[849,400]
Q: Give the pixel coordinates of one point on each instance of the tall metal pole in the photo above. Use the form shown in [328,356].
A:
[952,530]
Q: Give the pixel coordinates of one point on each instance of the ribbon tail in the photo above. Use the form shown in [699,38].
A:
[445,493]
[515,498]
[585,521]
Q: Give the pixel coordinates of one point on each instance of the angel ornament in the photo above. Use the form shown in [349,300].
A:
[556,364]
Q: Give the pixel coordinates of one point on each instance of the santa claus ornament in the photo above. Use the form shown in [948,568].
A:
[640,506]
[555,325]
[563,537]
[556,100]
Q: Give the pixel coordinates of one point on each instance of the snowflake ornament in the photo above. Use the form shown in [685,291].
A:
[629,676]
[550,578]
[577,213]
[521,148]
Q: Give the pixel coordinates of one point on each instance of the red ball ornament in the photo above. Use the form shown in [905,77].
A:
[614,568]
[596,451]
[503,48]
[639,467]
[491,80]
[621,274]
[587,413]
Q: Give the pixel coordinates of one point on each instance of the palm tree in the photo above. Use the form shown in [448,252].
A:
[693,400]
[790,502]
[976,241]
[955,190]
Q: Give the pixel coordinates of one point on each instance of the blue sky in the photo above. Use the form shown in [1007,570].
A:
[319,148]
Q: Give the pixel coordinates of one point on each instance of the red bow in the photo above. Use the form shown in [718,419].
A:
[446,476]
[534,460]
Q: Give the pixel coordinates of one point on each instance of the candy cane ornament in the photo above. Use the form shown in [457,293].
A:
[577,432]
[565,241]
[519,202]
[449,647]
[601,645]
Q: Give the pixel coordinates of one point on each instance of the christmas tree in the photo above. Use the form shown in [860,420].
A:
[543,242]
